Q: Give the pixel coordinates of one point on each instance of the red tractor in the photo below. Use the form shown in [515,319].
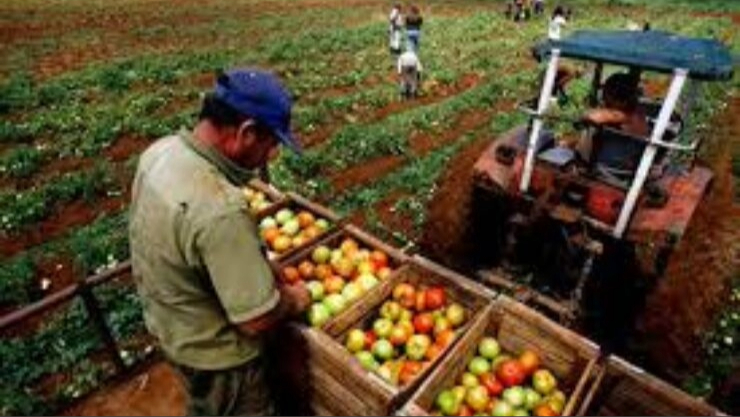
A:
[560,212]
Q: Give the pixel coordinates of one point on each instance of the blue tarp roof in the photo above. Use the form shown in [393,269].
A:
[705,59]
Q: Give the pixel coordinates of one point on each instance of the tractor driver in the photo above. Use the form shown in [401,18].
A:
[620,111]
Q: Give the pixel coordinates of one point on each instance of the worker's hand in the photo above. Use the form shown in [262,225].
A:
[296,296]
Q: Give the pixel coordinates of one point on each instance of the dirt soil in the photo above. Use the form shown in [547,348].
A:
[444,236]
[685,302]
[155,391]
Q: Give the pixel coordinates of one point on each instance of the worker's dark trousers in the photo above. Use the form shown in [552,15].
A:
[238,391]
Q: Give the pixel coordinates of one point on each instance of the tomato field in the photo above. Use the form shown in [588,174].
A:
[86,85]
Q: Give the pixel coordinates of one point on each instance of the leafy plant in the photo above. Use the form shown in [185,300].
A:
[720,348]
[17,281]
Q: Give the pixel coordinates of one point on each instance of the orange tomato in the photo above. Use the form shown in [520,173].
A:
[307,269]
[322,272]
[421,301]
[270,234]
[544,410]
[434,351]
[291,274]
[349,246]
[305,219]
[408,371]
[446,337]
[312,232]
[465,411]
[530,361]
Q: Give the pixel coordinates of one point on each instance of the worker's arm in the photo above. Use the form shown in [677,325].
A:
[241,276]
[601,117]
[294,299]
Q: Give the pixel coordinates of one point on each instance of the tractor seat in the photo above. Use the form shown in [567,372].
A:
[615,155]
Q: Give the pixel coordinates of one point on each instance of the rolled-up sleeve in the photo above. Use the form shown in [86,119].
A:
[240,274]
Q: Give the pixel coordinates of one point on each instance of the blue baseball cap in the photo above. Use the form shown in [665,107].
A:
[259,95]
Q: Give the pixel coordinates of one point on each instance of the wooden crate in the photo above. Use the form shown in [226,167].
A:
[340,386]
[621,388]
[396,259]
[297,203]
[570,357]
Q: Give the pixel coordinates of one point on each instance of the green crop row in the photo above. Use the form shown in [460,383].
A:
[63,344]
[94,247]
[23,209]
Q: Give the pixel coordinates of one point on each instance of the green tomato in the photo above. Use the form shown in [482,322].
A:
[447,403]
[489,348]
[479,366]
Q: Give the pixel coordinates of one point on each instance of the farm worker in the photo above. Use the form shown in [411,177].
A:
[620,111]
[396,27]
[564,75]
[413,28]
[207,290]
[409,71]
[539,7]
[556,23]
[518,10]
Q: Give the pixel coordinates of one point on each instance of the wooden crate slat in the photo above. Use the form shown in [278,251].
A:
[334,396]
[626,389]
[270,191]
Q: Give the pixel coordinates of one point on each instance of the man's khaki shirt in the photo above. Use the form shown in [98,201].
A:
[196,254]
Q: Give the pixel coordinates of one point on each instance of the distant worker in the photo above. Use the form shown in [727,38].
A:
[409,72]
[539,7]
[557,21]
[207,290]
[395,29]
[413,28]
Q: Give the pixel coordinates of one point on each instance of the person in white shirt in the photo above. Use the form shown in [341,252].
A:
[396,22]
[409,72]
[556,23]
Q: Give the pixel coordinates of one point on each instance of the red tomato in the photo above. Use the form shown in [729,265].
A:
[424,323]
[409,370]
[435,298]
[494,387]
[370,339]
[379,259]
[511,373]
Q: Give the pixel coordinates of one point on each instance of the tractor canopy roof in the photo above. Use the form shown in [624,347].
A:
[705,59]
